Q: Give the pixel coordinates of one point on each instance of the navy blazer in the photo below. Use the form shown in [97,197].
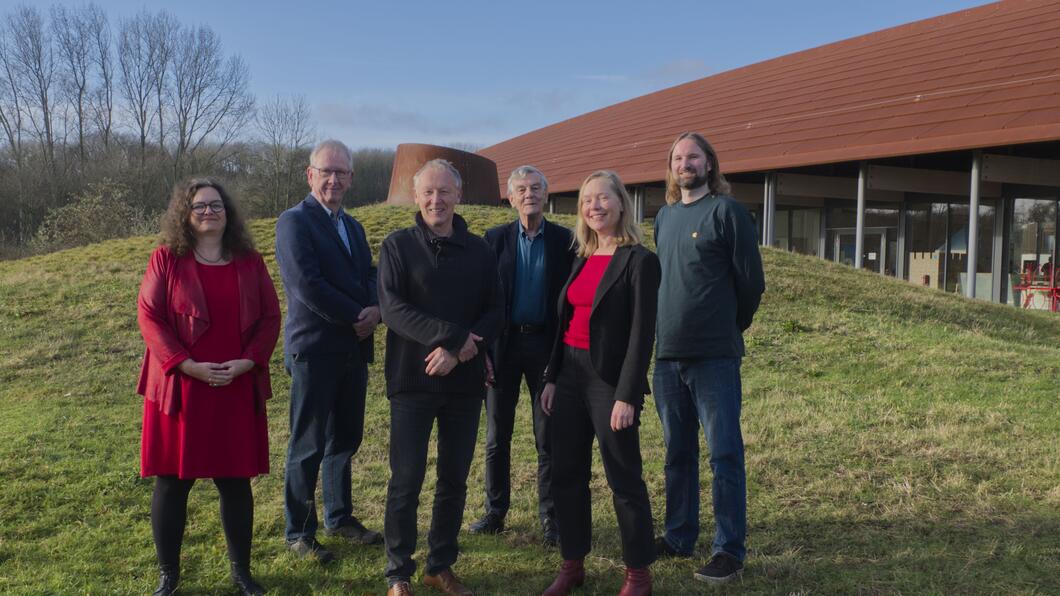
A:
[559,254]
[622,323]
[326,286]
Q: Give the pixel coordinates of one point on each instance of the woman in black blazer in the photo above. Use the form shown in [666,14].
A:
[597,378]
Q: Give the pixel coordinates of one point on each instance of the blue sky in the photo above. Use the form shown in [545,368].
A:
[381,73]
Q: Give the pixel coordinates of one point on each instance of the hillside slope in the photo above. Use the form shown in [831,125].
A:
[899,440]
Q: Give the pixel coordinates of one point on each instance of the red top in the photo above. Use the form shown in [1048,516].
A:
[580,295]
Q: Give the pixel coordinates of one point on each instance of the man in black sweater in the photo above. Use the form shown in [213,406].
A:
[442,304]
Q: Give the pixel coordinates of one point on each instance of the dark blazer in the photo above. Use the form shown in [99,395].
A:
[326,286]
[559,254]
[622,323]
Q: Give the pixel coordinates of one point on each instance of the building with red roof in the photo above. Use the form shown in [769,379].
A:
[928,151]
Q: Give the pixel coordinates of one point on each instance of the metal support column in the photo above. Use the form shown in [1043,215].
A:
[638,203]
[900,258]
[973,224]
[999,256]
[859,235]
[769,210]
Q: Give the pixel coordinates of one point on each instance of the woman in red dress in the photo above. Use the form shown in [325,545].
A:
[210,319]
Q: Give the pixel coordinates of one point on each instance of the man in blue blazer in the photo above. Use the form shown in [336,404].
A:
[533,257]
[332,312]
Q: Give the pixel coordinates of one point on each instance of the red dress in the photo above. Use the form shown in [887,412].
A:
[218,432]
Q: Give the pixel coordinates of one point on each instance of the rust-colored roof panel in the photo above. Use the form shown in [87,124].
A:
[980,77]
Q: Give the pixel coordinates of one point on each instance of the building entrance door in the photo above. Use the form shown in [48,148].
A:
[874,253]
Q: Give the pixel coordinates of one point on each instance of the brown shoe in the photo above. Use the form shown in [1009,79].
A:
[400,589]
[571,575]
[447,582]
[638,582]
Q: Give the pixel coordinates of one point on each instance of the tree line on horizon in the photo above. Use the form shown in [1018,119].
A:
[100,118]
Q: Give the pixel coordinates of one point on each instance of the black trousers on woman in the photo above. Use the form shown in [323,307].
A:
[581,411]
[169,513]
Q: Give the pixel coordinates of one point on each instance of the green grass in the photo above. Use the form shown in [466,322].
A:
[899,441]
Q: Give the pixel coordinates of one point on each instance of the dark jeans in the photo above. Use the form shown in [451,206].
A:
[327,424]
[582,411]
[525,355]
[412,417]
[169,514]
[708,392]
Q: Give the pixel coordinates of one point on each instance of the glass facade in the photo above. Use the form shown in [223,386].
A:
[937,246]
[925,239]
[798,230]
[1032,253]
[880,249]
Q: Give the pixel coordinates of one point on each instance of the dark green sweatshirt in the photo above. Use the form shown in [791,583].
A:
[712,279]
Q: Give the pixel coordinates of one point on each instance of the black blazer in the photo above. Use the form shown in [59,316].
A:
[622,323]
[559,254]
[326,286]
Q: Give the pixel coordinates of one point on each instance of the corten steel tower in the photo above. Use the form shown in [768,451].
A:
[479,173]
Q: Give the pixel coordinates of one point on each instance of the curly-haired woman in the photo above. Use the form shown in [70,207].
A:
[210,319]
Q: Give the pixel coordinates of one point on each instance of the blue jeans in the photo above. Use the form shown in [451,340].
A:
[327,425]
[689,393]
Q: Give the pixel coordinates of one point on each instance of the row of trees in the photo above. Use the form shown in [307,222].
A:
[87,104]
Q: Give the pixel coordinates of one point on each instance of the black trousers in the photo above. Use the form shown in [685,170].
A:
[169,513]
[582,411]
[525,355]
[412,416]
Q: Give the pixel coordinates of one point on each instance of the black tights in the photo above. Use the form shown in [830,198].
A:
[169,512]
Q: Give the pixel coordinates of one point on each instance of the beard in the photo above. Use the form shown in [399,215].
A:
[696,181]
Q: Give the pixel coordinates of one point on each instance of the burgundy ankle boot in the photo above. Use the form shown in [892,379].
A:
[571,575]
[638,582]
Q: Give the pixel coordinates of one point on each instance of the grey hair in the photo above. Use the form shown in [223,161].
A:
[333,145]
[523,172]
[441,164]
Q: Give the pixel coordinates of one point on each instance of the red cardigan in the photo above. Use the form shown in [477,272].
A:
[171,312]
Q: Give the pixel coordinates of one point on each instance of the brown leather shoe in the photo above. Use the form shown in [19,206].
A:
[638,582]
[447,582]
[400,589]
[571,575]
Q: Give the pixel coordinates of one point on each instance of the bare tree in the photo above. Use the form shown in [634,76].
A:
[35,66]
[164,33]
[286,130]
[211,100]
[12,106]
[74,44]
[102,100]
[137,58]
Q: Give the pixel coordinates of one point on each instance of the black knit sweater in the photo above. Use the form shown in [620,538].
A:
[434,291]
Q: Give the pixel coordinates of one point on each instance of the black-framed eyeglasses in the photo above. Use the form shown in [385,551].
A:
[329,173]
[213,206]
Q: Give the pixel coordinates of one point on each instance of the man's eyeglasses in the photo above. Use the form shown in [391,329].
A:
[342,174]
[213,206]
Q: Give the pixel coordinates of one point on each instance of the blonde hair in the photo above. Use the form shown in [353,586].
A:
[716,181]
[628,230]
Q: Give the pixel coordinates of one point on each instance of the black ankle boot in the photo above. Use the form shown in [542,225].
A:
[244,582]
[168,578]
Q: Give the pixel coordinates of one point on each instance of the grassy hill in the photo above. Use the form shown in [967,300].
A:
[899,440]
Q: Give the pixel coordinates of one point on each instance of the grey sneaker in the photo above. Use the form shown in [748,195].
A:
[721,569]
[309,548]
[354,530]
